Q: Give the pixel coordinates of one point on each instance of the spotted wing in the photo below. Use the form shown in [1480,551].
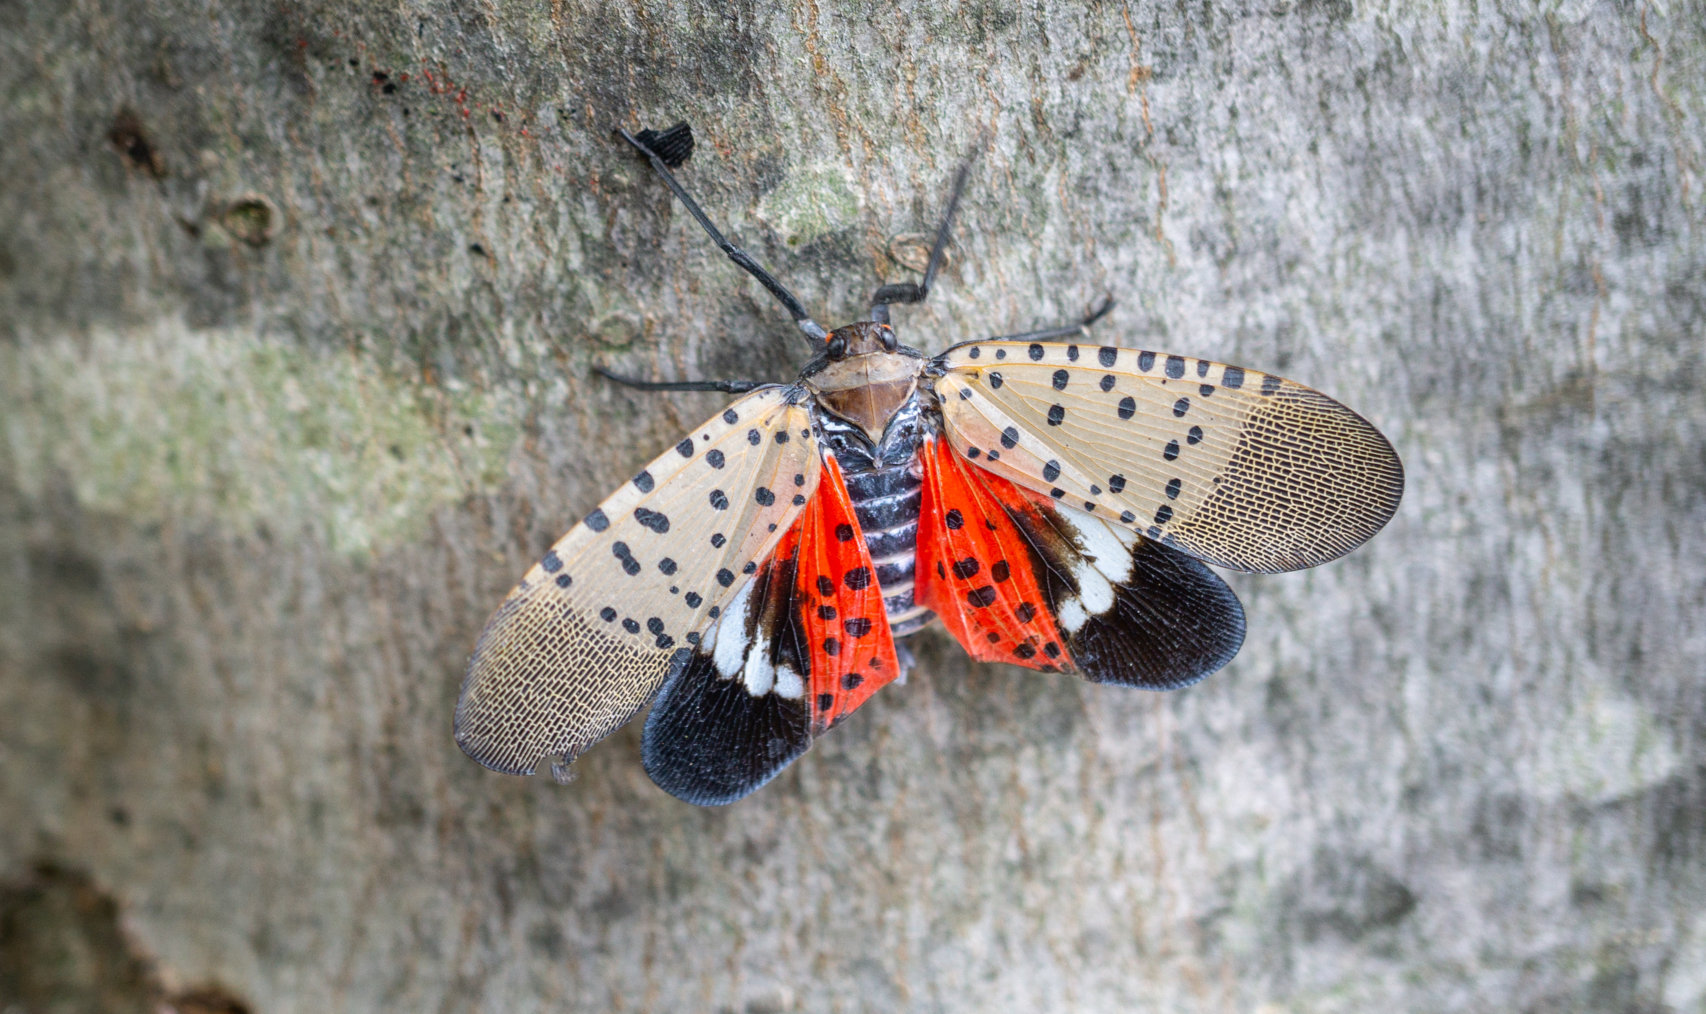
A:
[1241,469]
[797,650]
[588,636]
[1016,577]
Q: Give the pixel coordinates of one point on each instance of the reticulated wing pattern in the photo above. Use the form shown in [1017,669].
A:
[588,636]
[1241,469]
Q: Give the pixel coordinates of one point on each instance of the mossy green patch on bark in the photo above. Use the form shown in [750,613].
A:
[812,203]
[236,428]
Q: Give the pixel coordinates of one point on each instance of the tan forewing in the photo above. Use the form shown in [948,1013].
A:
[587,637]
[1241,469]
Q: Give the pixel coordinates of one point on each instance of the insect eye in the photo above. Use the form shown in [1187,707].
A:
[890,342]
[837,347]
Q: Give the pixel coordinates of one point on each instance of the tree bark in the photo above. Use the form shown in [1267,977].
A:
[298,307]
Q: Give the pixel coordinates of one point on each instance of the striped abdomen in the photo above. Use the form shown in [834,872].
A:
[885,502]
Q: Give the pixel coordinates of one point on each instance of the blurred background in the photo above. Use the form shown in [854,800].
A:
[298,304]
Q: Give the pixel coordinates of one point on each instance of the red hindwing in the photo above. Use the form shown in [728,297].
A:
[839,604]
[976,570]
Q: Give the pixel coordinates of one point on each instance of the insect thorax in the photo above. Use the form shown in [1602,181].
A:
[865,377]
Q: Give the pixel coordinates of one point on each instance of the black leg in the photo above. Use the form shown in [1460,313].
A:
[907,292]
[725,386]
[1080,328]
[812,328]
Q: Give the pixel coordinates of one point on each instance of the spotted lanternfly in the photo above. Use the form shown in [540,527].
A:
[1054,501]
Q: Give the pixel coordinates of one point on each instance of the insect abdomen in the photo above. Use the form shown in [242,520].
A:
[885,502]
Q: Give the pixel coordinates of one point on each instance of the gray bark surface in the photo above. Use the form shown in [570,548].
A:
[298,303]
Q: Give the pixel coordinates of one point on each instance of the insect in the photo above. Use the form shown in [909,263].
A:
[1054,501]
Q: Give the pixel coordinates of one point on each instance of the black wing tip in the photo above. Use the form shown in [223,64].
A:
[691,778]
[709,742]
[693,787]
[1174,623]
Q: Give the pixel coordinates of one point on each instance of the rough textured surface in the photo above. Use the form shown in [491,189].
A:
[299,300]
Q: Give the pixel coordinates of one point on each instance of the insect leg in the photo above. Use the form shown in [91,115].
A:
[725,386]
[812,328]
[908,292]
[1080,328]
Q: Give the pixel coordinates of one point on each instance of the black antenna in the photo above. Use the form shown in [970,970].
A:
[908,292]
[677,144]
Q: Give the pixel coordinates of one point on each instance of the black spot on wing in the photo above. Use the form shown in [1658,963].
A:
[621,551]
